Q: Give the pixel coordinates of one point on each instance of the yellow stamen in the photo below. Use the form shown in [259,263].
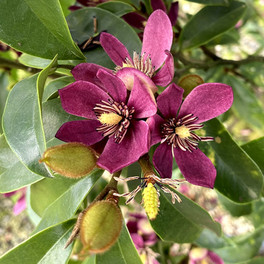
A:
[110,118]
[151,201]
[126,65]
[182,131]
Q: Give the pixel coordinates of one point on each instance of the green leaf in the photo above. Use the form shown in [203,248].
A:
[65,4]
[182,222]
[210,22]
[51,90]
[22,121]
[37,28]
[43,248]
[235,209]
[238,177]
[81,26]
[22,125]
[255,149]
[117,8]
[122,252]
[13,174]
[211,2]
[57,211]
[3,93]
[245,103]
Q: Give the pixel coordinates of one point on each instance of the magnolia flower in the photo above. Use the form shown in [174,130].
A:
[157,41]
[21,203]
[109,114]
[174,129]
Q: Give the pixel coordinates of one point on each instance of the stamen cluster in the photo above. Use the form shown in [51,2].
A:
[109,128]
[178,133]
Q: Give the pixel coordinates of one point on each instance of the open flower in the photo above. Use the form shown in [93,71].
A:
[111,115]
[175,130]
[157,41]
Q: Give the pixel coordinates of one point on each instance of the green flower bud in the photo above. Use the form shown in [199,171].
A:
[100,227]
[189,82]
[72,160]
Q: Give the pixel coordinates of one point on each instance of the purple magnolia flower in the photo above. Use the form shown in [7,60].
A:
[175,130]
[157,41]
[21,203]
[112,114]
[203,255]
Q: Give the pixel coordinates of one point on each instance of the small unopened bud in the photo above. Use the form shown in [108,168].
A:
[189,82]
[101,226]
[72,160]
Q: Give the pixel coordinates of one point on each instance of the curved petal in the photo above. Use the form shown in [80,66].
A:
[157,37]
[169,101]
[196,167]
[165,75]
[113,85]
[87,72]
[83,131]
[79,98]
[132,147]
[20,205]
[137,240]
[173,14]
[207,101]
[127,77]
[135,20]
[158,4]
[162,160]
[155,123]
[142,99]
[114,48]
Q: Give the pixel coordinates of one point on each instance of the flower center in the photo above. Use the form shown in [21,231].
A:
[178,133]
[141,63]
[115,119]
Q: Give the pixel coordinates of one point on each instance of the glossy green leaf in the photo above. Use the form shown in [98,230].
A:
[57,211]
[185,220]
[13,174]
[122,252]
[22,120]
[258,213]
[81,27]
[235,209]
[246,103]
[37,28]
[210,22]
[255,149]
[117,8]
[232,36]
[3,93]
[22,125]
[53,117]
[51,90]
[47,191]
[211,2]
[238,177]
[44,247]
[65,4]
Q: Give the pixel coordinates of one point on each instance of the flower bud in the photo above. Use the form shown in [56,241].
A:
[189,82]
[100,227]
[72,160]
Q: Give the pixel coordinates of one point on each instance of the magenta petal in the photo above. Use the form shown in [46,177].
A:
[207,101]
[114,48]
[20,205]
[162,160]
[83,131]
[138,240]
[165,75]
[87,72]
[127,77]
[79,98]
[135,20]
[155,123]
[142,99]
[196,167]
[158,4]
[215,258]
[170,100]
[157,37]
[132,147]
[173,14]
[113,85]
